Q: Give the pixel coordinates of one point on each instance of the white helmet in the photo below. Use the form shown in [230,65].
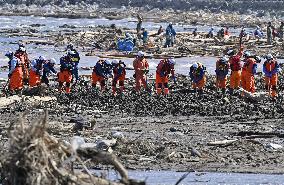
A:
[42,58]
[140,54]
[107,61]
[224,59]
[52,61]
[114,62]
[230,52]
[22,49]
[70,52]
[269,57]
[127,34]
[195,65]
[9,54]
[172,61]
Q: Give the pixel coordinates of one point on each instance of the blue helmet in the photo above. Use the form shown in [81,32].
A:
[70,46]
[224,59]
[9,54]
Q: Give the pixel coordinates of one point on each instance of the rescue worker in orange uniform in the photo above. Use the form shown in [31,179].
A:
[119,74]
[36,71]
[164,69]
[235,66]
[198,77]
[65,74]
[271,69]
[248,71]
[15,72]
[222,70]
[101,72]
[141,68]
[22,55]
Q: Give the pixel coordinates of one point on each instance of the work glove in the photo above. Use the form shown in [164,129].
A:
[39,72]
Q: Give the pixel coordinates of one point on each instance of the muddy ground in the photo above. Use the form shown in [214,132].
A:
[167,133]
[179,132]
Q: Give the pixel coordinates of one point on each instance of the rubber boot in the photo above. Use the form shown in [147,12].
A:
[103,88]
[114,91]
[231,91]
[68,90]
[60,87]
[121,88]
[159,91]
[166,91]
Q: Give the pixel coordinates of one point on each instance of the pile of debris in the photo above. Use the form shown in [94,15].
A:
[32,156]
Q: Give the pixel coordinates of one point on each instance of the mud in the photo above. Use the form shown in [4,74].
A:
[168,133]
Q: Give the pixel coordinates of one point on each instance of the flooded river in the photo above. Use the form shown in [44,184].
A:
[170,178]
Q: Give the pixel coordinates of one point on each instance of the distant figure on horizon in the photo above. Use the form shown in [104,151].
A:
[170,36]
[210,33]
[269,31]
[258,34]
[195,32]
[139,25]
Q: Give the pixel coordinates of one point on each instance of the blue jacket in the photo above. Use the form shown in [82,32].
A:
[36,65]
[270,73]
[66,63]
[13,63]
[258,33]
[197,74]
[170,31]
[48,68]
[75,57]
[102,69]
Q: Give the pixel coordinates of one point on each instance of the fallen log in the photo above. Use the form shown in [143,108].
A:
[222,143]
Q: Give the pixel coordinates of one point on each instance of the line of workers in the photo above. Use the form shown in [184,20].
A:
[21,71]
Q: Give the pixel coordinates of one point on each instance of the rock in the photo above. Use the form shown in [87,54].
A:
[274,146]
[67,26]
[172,129]
[80,123]
[37,25]
[117,135]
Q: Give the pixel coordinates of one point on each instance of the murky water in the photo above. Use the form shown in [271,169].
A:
[170,178]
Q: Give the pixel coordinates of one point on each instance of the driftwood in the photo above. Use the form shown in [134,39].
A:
[35,157]
[222,143]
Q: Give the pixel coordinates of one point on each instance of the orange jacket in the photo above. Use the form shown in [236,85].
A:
[164,69]
[235,61]
[140,65]
[249,66]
